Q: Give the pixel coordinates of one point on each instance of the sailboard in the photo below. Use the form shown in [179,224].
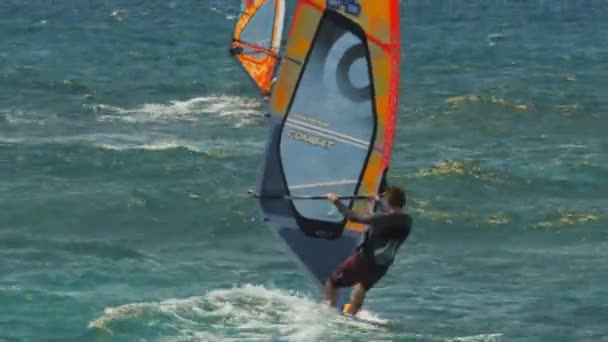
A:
[333,115]
[367,317]
[256,41]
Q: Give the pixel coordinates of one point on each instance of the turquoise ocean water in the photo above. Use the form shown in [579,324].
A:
[128,140]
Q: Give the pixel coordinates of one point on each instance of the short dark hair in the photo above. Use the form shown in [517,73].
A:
[395,196]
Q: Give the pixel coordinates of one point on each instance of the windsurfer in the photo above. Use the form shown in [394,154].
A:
[371,260]
[235,48]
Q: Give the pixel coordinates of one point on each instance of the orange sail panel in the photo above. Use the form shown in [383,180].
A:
[257,39]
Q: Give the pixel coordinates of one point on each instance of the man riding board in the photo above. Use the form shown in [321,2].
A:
[387,230]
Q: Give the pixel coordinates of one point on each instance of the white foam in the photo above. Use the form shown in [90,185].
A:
[19,117]
[119,14]
[217,10]
[10,140]
[125,142]
[477,338]
[245,313]
[213,147]
[244,109]
[160,145]
[370,317]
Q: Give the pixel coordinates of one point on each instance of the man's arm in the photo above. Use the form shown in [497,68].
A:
[350,215]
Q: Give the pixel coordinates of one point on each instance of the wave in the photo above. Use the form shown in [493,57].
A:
[540,217]
[20,294]
[217,149]
[144,128]
[547,198]
[211,148]
[569,168]
[477,338]
[580,108]
[199,115]
[246,313]
[564,217]
[463,100]
[449,167]
[434,213]
[251,313]
[154,146]
[245,110]
[92,248]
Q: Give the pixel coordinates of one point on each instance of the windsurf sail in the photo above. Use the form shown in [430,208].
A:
[333,115]
[256,41]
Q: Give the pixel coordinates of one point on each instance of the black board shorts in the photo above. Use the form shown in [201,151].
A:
[358,269]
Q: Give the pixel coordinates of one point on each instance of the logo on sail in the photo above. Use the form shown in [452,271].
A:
[351,7]
[310,138]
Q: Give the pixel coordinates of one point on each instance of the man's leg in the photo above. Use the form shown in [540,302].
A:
[344,276]
[330,293]
[356,302]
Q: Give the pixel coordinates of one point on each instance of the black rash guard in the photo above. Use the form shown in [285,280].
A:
[385,234]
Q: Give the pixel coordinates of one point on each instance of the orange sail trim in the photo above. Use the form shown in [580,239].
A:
[257,38]
[394,81]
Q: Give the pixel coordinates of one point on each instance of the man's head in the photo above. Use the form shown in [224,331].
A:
[395,197]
